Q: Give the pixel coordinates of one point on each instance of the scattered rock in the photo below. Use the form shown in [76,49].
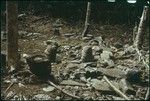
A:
[10,95]
[99,39]
[48,89]
[102,85]
[108,63]
[57,98]
[117,98]
[77,47]
[72,83]
[106,55]
[92,72]
[41,97]
[67,47]
[73,66]
[126,87]
[86,38]
[97,50]
[91,64]
[130,50]
[22,16]
[112,72]
[118,45]
[21,85]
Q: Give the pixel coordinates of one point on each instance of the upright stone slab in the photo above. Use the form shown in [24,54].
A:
[87,55]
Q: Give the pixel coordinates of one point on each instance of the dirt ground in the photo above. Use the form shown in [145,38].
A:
[35,45]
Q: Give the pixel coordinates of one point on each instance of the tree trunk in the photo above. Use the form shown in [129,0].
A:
[85,31]
[141,29]
[12,34]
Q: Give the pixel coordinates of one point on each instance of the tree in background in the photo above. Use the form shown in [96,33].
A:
[12,34]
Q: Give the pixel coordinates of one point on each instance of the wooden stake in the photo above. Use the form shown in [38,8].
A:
[11,84]
[85,31]
[115,89]
[141,29]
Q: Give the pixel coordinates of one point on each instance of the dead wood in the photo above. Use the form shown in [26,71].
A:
[11,84]
[73,96]
[115,89]
[85,31]
[147,94]
[141,29]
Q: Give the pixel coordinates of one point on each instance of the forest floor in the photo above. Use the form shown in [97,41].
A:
[34,31]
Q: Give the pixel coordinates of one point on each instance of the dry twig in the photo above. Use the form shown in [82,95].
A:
[9,87]
[115,89]
[147,94]
[51,83]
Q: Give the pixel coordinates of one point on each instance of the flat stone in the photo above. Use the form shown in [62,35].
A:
[72,83]
[10,94]
[91,64]
[99,39]
[73,65]
[102,85]
[48,89]
[113,72]
[67,47]
[41,97]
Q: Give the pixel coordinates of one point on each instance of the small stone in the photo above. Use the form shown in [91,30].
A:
[130,50]
[99,39]
[73,65]
[110,63]
[67,47]
[97,49]
[91,64]
[106,55]
[48,89]
[21,85]
[10,94]
[86,38]
[57,98]
[102,85]
[117,98]
[42,97]
[72,83]
[112,72]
